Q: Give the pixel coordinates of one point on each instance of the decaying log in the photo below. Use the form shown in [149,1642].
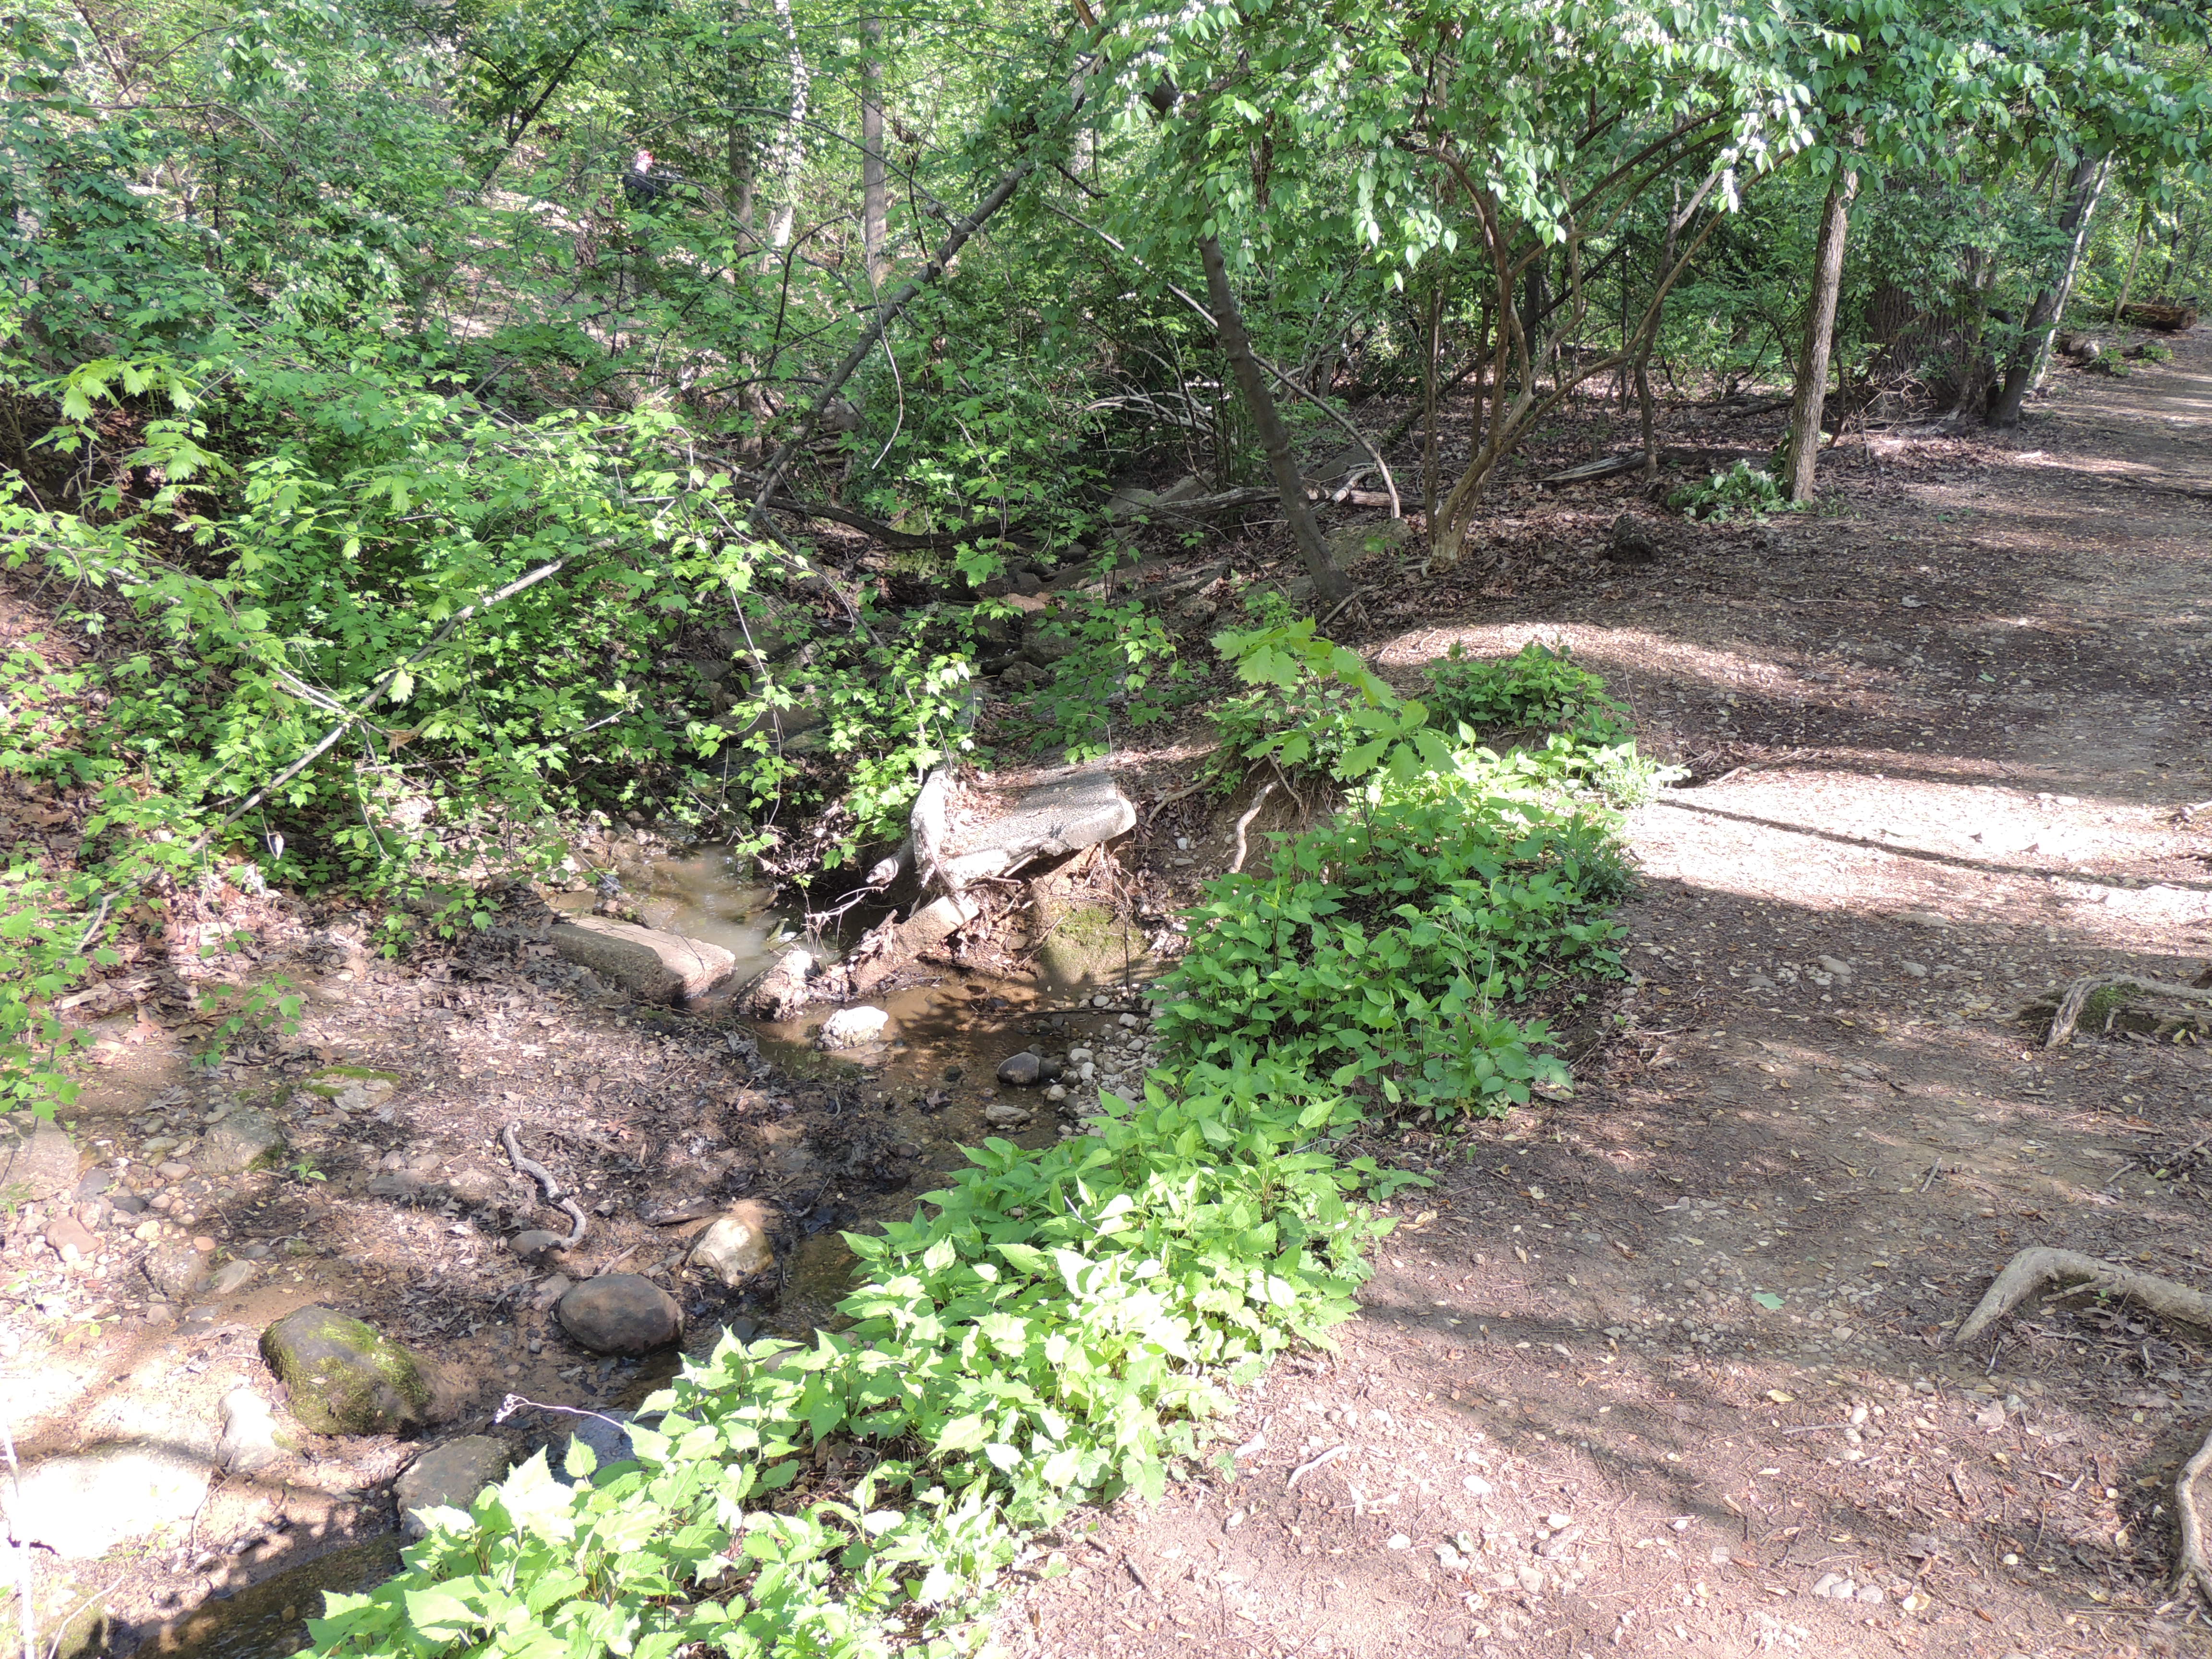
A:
[2079,992]
[2029,1272]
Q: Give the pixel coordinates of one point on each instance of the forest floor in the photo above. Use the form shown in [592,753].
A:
[1668,1368]
[1664,1366]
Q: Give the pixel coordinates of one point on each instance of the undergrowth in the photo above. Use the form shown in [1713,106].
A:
[1056,1325]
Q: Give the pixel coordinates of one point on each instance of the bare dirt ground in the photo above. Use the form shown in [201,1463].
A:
[1668,1368]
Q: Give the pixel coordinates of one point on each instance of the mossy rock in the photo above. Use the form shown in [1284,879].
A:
[344,1377]
[1091,944]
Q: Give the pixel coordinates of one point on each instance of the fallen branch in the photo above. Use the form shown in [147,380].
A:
[2028,1272]
[2079,992]
[2192,1568]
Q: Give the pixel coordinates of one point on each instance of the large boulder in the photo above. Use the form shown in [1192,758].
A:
[245,1138]
[344,1377]
[620,1314]
[650,964]
[81,1507]
[37,1162]
[449,1476]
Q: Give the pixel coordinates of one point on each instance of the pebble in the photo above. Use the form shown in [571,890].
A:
[1836,966]
[1080,1056]
[1477,1485]
[1131,1021]
[72,1238]
[853,1028]
[737,1246]
[234,1276]
[1914,969]
[1005,1114]
[1102,1000]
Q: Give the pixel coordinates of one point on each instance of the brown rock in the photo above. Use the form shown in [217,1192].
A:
[76,1241]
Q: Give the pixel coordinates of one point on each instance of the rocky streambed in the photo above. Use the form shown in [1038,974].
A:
[257,1310]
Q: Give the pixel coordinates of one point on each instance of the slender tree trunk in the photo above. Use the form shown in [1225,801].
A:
[1328,581]
[1820,336]
[1429,412]
[875,198]
[2135,253]
[2083,188]
[788,156]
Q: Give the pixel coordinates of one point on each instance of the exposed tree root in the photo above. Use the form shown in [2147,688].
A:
[2079,992]
[2191,1568]
[2029,1271]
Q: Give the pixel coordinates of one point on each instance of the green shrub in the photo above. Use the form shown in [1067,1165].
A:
[1377,950]
[1538,686]
[1742,490]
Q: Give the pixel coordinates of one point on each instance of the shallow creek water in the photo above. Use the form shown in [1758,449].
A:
[947,1038]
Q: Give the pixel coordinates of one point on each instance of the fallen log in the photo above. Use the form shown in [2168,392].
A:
[2169,316]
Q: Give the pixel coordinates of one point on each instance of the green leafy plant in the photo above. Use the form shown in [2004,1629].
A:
[1316,708]
[1538,686]
[1044,1332]
[1377,953]
[1743,490]
[1114,665]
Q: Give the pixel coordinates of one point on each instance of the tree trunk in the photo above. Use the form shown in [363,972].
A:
[788,154]
[1820,336]
[2086,185]
[1328,581]
[875,199]
[2135,253]
[1429,411]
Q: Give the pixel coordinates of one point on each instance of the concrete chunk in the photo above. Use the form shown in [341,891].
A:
[656,966]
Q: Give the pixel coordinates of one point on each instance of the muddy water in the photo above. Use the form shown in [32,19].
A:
[270,1619]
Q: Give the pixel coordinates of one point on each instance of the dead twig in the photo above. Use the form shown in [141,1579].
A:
[2079,992]
[1313,1463]
[1245,822]
[2039,1265]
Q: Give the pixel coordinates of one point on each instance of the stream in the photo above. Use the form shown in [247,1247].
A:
[948,1035]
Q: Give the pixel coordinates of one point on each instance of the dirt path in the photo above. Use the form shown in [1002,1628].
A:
[1668,1368]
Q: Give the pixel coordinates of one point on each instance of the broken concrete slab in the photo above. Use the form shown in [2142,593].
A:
[897,945]
[656,966]
[1062,813]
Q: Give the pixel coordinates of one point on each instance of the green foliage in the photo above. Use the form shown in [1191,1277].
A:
[1118,668]
[1042,1334]
[1378,950]
[1537,686]
[1743,490]
[1317,708]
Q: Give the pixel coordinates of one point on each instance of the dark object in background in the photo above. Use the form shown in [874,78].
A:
[1630,542]
[646,184]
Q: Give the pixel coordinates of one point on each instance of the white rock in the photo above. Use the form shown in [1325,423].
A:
[1400,1541]
[249,1433]
[1477,1485]
[81,1507]
[851,1028]
[1079,1056]
[1005,1114]
[1914,969]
